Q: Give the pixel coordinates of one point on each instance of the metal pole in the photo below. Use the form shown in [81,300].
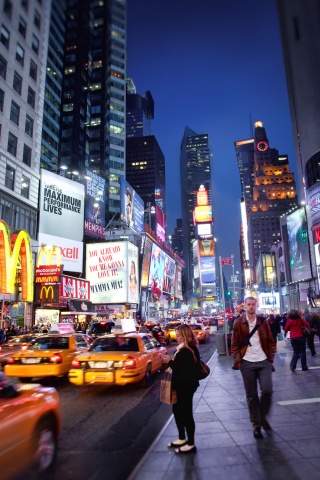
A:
[224,307]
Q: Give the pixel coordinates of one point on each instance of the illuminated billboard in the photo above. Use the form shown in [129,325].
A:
[317,256]
[204,230]
[195,253]
[178,283]
[131,207]
[94,213]
[146,262]
[169,275]
[269,301]
[202,196]
[160,224]
[203,214]
[207,270]
[111,273]
[156,266]
[206,248]
[299,258]
[61,207]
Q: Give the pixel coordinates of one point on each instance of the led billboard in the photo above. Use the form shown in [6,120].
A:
[146,262]
[169,275]
[160,224]
[204,230]
[203,214]
[94,213]
[178,283]
[299,257]
[207,270]
[131,207]
[110,271]
[156,266]
[317,257]
[61,207]
[206,248]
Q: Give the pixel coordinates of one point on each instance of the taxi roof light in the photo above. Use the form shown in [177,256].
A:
[124,325]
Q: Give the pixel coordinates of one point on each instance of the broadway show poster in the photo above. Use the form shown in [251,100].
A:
[94,215]
[156,267]
[298,240]
[131,207]
[146,262]
[108,270]
[169,275]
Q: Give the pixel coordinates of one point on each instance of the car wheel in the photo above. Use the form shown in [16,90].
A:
[146,381]
[46,445]
[25,379]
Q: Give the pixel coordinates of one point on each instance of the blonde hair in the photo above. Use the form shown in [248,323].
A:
[189,338]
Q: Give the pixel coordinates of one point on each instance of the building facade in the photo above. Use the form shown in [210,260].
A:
[139,113]
[195,170]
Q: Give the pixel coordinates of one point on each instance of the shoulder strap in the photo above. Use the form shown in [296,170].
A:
[246,340]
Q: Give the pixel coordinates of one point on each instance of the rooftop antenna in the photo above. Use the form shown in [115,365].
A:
[250,121]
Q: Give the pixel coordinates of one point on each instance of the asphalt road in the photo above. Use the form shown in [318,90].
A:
[106,430]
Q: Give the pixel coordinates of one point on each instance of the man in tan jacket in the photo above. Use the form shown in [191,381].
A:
[253,347]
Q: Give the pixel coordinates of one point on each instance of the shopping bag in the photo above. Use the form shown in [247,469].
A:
[203,370]
[167,395]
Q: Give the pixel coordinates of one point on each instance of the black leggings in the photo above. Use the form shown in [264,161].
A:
[183,415]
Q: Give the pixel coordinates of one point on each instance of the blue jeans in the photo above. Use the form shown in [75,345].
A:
[299,350]
[252,373]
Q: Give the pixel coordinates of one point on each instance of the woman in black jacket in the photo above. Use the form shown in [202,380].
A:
[185,382]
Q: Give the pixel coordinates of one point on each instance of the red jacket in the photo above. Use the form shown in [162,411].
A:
[295,326]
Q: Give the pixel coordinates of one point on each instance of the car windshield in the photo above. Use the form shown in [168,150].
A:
[115,344]
[18,340]
[50,343]
[99,328]
[195,327]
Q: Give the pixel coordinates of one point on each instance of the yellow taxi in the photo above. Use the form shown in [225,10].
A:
[170,330]
[119,359]
[201,332]
[15,344]
[49,355]
[30,423]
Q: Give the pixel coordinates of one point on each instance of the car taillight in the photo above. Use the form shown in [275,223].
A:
[24,347]
[129,363]
[10,360]
[56,358]
[75,363]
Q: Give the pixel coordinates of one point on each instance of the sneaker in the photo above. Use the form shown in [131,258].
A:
[257,432]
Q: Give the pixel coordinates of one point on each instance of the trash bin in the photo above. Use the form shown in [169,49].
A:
[221,343]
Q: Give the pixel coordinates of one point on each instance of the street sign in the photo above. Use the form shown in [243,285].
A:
[226,261]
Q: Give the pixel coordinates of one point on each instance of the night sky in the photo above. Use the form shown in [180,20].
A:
[211,65]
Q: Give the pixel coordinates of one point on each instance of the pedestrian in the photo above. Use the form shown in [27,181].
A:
[298,341]
[185,383]
[310,318]
[253,348]
[2,336]
[275,327]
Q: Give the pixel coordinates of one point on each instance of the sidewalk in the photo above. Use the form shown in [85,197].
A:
[226,448]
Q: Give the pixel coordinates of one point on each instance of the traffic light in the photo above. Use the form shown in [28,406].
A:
[229,294]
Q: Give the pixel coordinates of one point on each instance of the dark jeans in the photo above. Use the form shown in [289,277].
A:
[183,415]
[252,373]
[310,339]
[299,349]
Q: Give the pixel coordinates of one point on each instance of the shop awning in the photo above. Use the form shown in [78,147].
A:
[79,307]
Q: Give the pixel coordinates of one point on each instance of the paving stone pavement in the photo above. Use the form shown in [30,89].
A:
[226,448]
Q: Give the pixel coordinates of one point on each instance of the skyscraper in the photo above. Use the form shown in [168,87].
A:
[139,113]
[299,26]
[268,189]
[23,46]
[195,170]
[93,106]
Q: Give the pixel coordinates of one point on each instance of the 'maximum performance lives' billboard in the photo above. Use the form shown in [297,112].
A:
[61,217]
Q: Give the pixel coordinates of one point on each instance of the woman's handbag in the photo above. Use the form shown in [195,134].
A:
[167,395]
[203,370]
[305,332]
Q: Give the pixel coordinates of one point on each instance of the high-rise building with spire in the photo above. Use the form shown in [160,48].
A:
[268,191]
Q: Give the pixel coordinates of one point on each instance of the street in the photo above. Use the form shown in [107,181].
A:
[106,430]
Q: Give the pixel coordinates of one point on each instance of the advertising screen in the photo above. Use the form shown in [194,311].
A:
[207,270]
[156,266]
[71,251]
[169,275]
[131,207]
[298,240]
[133,283]
[269,300]
[195,253]
[204,230]
[61,207]
[94,214]
[317,256]
[203,214]
[206,248]
[108,270]
[146,262]
[178,283]
[160,224]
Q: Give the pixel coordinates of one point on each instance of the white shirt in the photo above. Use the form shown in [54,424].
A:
[254,352]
